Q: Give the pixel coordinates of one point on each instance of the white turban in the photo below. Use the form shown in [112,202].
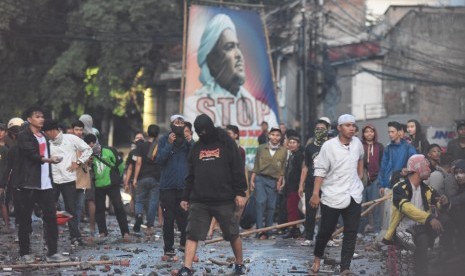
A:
[210,36]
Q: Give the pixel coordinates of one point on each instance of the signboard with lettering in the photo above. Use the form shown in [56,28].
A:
[440,135]
[228,73]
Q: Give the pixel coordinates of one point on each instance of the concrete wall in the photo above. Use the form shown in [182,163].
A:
[425,52]
[367,97]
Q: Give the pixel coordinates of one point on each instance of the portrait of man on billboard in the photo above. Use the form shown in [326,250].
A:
[228,76]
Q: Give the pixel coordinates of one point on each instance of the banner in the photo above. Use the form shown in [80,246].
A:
[228,74]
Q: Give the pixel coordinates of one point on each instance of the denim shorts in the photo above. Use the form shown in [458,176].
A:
[200,217]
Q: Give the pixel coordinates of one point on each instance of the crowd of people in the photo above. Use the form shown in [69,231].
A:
[194,186]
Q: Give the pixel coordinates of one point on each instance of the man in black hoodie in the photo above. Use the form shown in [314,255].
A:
[215,187]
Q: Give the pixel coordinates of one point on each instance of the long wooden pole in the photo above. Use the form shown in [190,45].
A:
[268,49]
[372,205]
[123,262]
[231,3]
[184,54]
[364,213]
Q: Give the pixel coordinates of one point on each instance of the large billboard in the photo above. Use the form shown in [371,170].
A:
[228,74]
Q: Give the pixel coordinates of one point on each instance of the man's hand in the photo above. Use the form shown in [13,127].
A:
[381,192]
[74,166]
[301,191]
[126,187]
[252,185]
[134,184]
[279,186]
[171,138]
[184,205]
[436,225]
[240,202]
[443,200]
[315,200]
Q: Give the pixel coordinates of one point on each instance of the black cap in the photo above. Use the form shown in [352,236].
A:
[50,125]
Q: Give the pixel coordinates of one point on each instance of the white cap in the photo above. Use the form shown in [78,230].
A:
[346,118]
[326,119]
[15,122]
[176,116]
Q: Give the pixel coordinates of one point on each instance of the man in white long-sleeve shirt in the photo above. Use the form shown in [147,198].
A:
[338,170]
[67,147]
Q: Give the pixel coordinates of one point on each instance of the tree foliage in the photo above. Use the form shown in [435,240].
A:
[83,56]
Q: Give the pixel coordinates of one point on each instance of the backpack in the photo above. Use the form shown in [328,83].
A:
[116,170]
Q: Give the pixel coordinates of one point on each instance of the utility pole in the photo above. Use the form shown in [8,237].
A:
[302,73]
[316,74]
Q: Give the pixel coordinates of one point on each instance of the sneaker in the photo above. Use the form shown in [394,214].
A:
[138,223]
[332,243]
[239,269]
[77,242]
[57,258]
[307,243]
[27,259]
[170,252]
[181,249]
[184,271]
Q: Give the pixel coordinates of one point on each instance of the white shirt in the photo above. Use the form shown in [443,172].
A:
[67,146]
[337,164]
[45,181]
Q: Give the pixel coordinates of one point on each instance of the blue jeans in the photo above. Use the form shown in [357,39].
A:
[147,193]
[80,200]
[371,192]
[265,195]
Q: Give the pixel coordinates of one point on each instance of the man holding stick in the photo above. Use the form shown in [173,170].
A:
[338,171]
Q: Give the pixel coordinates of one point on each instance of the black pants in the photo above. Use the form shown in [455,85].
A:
[170,203]
[310,214]
[423,238]
[115,197]
[46,201]
[69,193]
[329,217]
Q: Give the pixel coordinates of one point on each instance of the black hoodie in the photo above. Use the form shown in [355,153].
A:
[216,172]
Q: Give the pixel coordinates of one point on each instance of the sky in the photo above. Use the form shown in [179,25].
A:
[379,6]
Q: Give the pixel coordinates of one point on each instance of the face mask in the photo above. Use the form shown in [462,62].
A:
[321,135]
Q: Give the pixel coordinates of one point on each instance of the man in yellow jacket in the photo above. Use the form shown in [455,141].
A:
[414,215]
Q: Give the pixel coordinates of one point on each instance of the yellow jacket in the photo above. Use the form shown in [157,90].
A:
[401,205]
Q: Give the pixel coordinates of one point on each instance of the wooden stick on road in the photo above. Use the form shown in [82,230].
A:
[123,262]
[364,213]
[284,225]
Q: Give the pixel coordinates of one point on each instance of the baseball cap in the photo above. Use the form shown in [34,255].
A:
[176,116]
[275,128]
[325,119]
[50,125]
[15,122]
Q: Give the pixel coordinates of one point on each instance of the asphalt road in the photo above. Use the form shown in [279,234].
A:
[275,256]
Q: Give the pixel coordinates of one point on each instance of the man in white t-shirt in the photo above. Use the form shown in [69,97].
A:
[35,186]
[338,173]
